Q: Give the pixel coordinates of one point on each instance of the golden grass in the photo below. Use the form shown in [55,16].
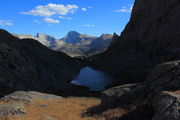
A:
[63,109]
[176,92]
[113,113]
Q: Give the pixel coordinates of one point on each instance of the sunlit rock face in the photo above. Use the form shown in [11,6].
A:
[44,39]
[74,37]
[100,44]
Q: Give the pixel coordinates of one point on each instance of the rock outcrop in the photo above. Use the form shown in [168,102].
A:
[46,40]
[100,44]
[166,106]
[164,77]
[25,64]
[28,96]
[14,103]
[152,93]
[30,105]
[12,109]
[150,38]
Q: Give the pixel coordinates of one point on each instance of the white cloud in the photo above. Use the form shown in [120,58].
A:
[52,9]
[6,23]
[126,9]
[50,20]
[88,25]
[66,18]
[84,9]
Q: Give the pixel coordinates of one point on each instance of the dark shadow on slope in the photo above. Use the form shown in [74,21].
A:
[141,113]
[27,65]
[144,112]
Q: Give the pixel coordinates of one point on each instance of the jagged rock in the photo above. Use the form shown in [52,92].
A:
[46,40]
[166,106]
[150,38]
[113,94]
[100,44]
[164,77]
[23,96]
[12,109]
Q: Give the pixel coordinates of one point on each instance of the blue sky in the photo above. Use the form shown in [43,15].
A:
[57,17]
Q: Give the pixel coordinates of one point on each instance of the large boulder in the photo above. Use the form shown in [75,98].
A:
[166,106]
[110,97]
[164,77]
[28,96]
[16,103]
[149,95]
[12,109]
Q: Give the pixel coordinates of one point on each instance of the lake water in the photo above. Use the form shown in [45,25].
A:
[95,80]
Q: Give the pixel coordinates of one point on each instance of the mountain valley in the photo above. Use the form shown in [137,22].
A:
[36,72]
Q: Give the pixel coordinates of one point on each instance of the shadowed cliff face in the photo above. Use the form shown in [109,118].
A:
[28,65]
[151,37]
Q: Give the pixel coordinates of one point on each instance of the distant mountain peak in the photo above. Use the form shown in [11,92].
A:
[106,36]
[42,35]
[73,44]
[74,37]
[73,33]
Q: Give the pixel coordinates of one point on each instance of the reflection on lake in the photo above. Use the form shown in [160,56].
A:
[95,80]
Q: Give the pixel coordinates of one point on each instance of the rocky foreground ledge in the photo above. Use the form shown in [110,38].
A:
[32,105]
[157,98]
[14,104]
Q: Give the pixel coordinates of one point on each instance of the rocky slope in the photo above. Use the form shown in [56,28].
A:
[137,57]
[100,44]
[151,37]
[157,98]
[70,50]
[46,40]
[25,64]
